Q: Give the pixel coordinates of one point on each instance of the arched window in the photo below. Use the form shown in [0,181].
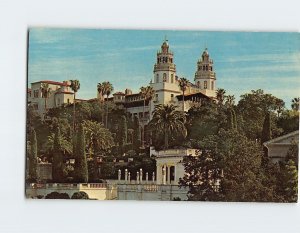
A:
[157,60]
[212,85]
[205,84]
[211,68]
[165,77]
[157,78]
[172,78]
[198,84]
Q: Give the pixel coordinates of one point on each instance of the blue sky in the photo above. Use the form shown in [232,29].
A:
[243,60]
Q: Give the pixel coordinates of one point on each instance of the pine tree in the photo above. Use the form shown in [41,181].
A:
[58,160]
[33,157]
[81,169]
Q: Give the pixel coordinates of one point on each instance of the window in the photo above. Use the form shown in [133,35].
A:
[172,78]
[172,96]
[165,77]
[157,60]
[157,78]
[212,85]
[205,84]
[68,100]
[198,84]
[211,68]
[36,93]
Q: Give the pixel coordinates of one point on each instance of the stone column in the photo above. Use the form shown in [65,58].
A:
[119,175]
[137,177]
[129,177]
[164,175]
[153,177]
[168,174]
[158,174]
[126,175]
[141,175]
[147,177]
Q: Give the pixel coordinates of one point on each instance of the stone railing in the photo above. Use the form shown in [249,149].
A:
[181,152]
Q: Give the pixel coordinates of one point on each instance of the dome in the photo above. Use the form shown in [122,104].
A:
[165,46]
[205,52]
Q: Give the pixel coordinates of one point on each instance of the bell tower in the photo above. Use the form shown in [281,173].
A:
[205,77]
[164,68]
[164,81]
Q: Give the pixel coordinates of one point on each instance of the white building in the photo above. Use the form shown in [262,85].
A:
[169,164]
[165,83]
[60,94]
[278,147]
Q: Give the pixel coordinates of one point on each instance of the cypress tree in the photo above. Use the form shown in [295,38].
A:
[123,130]
[234,119]
[266,130]
[137,132]
[33,157]
[57,162]
[81,169]
[230,119]
[266,136]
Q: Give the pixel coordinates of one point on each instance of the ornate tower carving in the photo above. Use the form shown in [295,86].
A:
[205,77]
[164,69]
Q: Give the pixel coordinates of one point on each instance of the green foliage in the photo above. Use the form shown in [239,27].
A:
[136,133]
[123,131]
[253,108]
[295,104]
[57,195]
[58,159]
[205,120]
[167,121]
[288,121]
[287,185]
[293,153]
[80,195]
[266,134]
[81,169]
[32,157]
[232,160]
[97,138]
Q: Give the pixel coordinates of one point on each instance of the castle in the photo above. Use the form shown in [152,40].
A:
[165,83]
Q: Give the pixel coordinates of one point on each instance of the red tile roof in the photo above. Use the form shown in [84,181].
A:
[65,92]
[119,93]
[53,83]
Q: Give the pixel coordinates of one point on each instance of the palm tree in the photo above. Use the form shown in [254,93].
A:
[167,120]
[75,86]
[183,83]
[100,89]
[147,93]
[295,104]
[107,90]
[46,90]
[230,100]
[220,94]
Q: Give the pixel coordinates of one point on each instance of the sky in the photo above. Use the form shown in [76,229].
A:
[243,61]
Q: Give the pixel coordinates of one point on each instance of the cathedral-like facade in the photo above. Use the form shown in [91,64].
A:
[165,83]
